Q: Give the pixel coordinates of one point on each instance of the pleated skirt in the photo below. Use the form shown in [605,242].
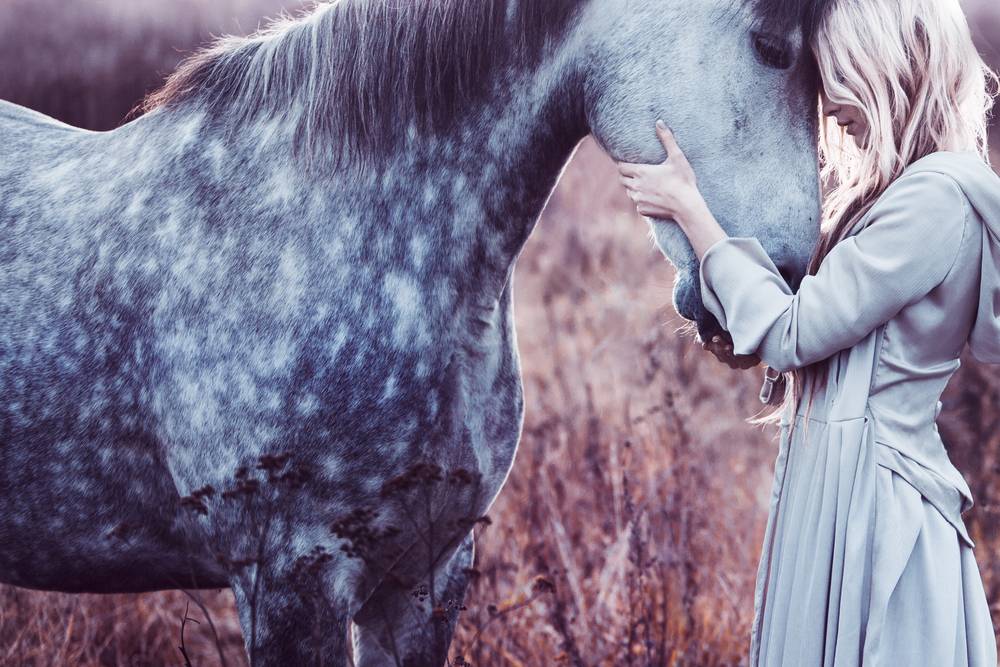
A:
[858,567]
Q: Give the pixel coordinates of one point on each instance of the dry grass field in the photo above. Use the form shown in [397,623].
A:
[629,531]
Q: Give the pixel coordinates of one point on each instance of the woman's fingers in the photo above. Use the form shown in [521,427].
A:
[723,351]
[670,145]
[630,183]
[669,142]
[630,190]
[653,188]
[628,169]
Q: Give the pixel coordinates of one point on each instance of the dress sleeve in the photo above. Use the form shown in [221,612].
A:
[908,247]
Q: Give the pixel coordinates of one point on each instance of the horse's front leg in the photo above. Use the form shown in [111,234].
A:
[293,615]
[403,626]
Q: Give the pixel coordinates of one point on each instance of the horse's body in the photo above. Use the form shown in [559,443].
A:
[222,368]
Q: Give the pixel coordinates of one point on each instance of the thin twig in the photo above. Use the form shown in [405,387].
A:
[184,621]
[211,625]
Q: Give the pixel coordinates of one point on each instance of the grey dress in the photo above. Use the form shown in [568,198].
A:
[866,557]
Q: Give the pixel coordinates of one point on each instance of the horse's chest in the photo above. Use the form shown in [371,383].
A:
[495,408]
[468,418]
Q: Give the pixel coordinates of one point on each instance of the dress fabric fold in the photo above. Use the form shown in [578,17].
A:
[858,567]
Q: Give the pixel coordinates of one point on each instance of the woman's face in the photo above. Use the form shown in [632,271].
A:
[848,116]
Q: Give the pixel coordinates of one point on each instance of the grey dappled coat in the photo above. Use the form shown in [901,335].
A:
[866,558]
[263,336]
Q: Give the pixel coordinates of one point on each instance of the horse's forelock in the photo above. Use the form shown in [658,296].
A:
[784,16]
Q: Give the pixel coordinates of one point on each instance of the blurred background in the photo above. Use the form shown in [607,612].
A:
[639,491]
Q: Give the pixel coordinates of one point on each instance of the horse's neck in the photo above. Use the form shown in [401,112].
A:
[505,158]
[471,196]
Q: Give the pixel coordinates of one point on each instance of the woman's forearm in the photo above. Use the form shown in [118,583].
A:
[701,227]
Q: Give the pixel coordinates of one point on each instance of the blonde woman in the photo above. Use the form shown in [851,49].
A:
[866,557]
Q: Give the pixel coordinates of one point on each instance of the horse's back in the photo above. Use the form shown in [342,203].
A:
[28,139]
[15,119]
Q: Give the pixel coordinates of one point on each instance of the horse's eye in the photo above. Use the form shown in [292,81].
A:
[773,51]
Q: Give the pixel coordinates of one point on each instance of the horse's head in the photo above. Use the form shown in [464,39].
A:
[738,86]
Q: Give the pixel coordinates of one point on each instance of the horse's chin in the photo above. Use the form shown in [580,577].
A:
[689,305]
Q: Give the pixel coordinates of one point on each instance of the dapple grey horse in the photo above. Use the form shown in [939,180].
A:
[262,336]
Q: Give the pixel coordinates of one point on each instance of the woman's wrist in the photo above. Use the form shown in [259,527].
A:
[701,227]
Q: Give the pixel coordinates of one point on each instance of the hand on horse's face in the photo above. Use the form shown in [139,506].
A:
[668,190]
[722,348]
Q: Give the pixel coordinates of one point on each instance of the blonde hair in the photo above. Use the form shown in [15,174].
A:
[911,68]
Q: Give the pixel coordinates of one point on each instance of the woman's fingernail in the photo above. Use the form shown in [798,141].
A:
[660,124]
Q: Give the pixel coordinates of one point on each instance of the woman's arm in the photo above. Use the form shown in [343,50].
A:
[909,246]
[669,191]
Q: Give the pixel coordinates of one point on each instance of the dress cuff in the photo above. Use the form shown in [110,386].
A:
[735,273]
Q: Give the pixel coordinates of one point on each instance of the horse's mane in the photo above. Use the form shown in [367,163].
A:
[385,63]
[356,71]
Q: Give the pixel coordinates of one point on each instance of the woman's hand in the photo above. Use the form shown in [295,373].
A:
[669,190]
[722,347]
